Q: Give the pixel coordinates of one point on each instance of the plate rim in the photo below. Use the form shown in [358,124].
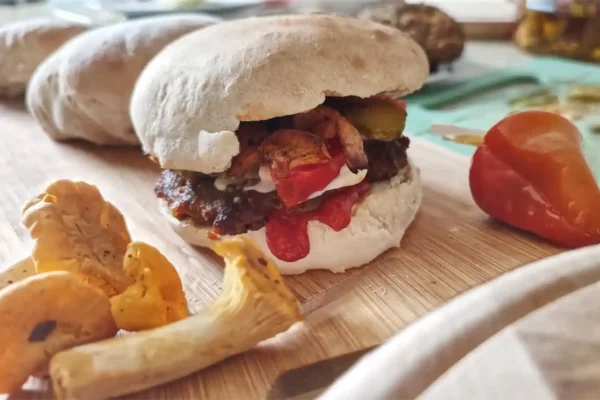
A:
[151,7]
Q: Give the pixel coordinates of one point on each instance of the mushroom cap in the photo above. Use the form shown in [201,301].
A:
[76,230]
[441,37]
[44,314]
[156,297]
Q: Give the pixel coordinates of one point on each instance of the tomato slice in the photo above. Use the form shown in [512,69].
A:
[308,179]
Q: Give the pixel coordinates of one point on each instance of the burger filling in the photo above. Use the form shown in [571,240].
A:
[291,170]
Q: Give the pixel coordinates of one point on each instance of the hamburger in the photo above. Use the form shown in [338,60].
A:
[287,129]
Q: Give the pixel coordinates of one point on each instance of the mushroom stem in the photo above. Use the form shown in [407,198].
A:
[255,305]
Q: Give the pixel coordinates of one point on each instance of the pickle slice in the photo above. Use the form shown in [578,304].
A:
[377,119]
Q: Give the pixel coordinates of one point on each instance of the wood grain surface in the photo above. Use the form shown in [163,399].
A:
[451,247]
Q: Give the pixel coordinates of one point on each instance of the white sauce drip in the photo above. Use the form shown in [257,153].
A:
[221,183]
[266,184]
[344,179]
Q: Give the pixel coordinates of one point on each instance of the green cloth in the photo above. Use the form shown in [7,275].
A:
[432,104]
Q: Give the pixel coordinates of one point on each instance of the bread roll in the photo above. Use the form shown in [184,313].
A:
[193,95]
[82,91]
[23,47]
[378,223]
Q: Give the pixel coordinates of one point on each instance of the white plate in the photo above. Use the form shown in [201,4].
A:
[139,7]
[535,319]
[92,15]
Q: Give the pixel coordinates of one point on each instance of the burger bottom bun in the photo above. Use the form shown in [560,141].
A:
[378,224]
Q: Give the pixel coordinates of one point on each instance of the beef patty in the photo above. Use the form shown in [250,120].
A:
[235,211]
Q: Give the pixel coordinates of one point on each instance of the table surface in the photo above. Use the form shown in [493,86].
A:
[451,247]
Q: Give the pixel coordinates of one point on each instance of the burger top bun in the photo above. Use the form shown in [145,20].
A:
[378,223]
[82,91]
[192,96]
[23,47]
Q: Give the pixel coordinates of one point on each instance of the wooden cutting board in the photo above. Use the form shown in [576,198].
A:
[451,247]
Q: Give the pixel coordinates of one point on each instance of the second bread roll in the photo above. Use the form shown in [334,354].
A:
[82,91]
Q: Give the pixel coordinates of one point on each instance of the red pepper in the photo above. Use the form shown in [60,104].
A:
[531,173]
[308,179]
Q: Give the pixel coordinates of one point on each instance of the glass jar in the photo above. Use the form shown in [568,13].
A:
[565,28]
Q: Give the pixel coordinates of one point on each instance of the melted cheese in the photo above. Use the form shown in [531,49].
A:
[344,179]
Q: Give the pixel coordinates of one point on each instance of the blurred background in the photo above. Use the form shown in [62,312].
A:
[488,57]
[568,28]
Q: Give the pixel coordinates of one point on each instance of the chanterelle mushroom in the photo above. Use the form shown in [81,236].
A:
[44,314]
[17,272]
[156,298]
[76,230]
[255,305]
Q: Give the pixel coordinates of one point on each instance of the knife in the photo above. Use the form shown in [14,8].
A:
[311,380]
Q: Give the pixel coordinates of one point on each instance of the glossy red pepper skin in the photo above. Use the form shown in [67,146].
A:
[531,173]
[308,179]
